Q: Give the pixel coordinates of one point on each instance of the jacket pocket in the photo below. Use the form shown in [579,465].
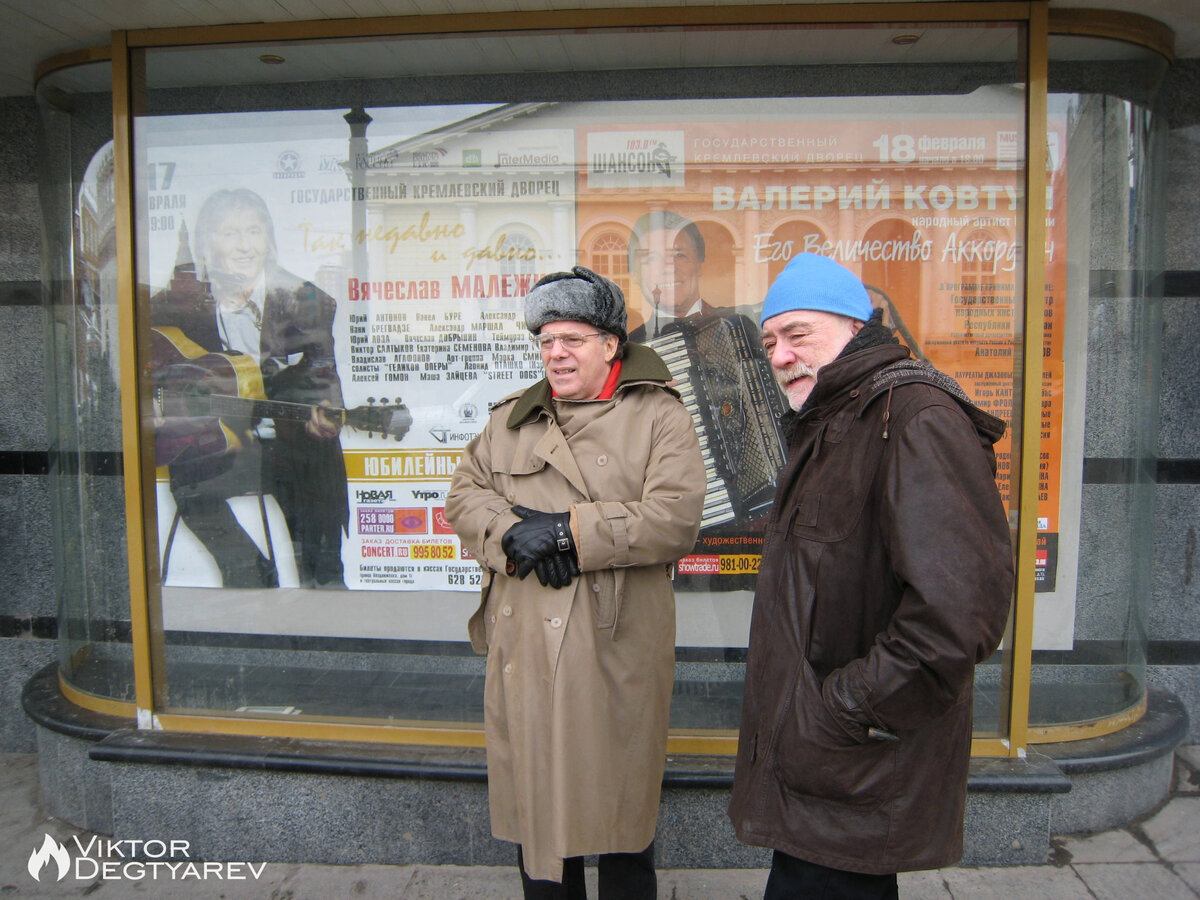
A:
[815,757]
[604,597]
[483,622]
[512,471]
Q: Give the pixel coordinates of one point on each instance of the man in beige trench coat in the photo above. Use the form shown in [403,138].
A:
[577,498]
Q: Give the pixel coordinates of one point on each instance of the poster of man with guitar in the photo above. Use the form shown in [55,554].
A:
[249,399]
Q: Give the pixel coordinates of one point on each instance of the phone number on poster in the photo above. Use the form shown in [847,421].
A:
[740,564]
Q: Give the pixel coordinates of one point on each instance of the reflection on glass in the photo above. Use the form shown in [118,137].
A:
[351,262]
[1095,557]
[75,181]
[332,274]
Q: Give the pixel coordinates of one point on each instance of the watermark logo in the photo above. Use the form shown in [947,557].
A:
[50,851]
[129,859]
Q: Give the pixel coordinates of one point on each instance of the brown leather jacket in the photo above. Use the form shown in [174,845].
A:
[887,575]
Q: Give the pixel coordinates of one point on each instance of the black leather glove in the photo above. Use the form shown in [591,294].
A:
[538,536]
[556,571]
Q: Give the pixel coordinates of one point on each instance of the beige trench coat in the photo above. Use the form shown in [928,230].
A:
[579,680]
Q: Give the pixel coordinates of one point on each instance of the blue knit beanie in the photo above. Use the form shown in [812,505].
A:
[812,281]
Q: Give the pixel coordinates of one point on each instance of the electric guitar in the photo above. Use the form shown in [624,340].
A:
[204,400]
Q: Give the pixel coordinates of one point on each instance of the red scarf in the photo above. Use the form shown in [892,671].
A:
[610,386]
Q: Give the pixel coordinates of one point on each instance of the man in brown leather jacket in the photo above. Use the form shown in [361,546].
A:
[886,576]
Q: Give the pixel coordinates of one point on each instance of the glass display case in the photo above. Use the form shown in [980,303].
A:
[362,217]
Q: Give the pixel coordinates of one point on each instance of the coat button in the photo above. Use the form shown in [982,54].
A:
[595,588]
[508,668]
[556,622]
[507,611]
[602,459]
[854,393]
[493,620]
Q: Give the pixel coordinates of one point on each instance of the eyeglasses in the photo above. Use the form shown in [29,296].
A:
[571,340]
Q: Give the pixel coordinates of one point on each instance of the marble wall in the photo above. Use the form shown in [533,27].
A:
[27,594]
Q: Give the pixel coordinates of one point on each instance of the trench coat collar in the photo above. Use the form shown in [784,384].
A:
[640,365]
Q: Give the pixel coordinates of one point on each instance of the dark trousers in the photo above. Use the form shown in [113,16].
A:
[241,563]
[620,876]
[795,879]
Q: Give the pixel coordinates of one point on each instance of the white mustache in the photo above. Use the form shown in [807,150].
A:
[792,372]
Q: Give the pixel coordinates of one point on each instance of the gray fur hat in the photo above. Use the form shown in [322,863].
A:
[581,296]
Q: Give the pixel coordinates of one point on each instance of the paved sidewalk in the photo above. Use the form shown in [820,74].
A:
[1158,858]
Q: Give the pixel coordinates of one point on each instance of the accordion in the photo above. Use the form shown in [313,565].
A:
[727,385]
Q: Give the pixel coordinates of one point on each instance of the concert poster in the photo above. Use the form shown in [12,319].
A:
[427,227]
[928,212]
